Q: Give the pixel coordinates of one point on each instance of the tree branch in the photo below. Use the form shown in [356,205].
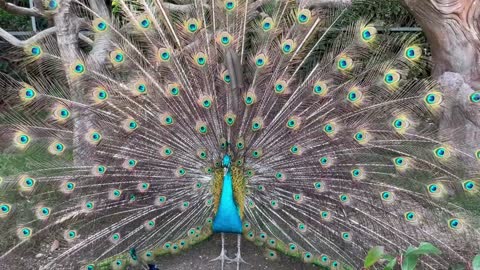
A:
[17,10]
[23,43]
[323,3]
[85,39]
[177,7]
[181,7]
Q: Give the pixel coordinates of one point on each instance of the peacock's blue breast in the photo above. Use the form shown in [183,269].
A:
[227,219]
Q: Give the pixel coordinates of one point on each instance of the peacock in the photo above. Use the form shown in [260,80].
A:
[263,119]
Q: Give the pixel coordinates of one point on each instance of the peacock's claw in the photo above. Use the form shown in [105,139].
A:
[222,257]
[238,259]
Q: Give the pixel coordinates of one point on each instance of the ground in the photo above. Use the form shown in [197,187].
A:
[199,257]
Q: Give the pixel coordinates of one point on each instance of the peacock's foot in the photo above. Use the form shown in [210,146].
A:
[223,254]
[238,259]
[222,257]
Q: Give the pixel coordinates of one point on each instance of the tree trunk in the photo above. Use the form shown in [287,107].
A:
[452,28]
[67,40]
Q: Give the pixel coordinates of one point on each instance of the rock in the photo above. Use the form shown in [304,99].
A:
[54,245]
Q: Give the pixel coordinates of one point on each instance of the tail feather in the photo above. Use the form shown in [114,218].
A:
[339,151]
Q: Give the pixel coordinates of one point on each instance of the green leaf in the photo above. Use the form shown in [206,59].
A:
[412,254]
[476,262]
[388,257]
[423,249]
[410,262]
[374,254]
[410,249]
[391,264]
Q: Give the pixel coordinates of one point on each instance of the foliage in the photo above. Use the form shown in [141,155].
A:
[373,256]
[476,262]
[116,8]
[389,12]
[14,22]
[409,257]
[412,254]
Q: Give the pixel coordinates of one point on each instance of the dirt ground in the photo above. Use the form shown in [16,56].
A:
[199,257]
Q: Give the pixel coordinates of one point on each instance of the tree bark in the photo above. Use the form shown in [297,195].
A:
[67,40]
[452,28]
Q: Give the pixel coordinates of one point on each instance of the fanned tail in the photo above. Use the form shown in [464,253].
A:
[332,154]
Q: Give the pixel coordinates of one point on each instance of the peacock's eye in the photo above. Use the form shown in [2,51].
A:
[328,128]
[79,68]
[145,23]
[454,224]
[303,16]
[324,160]
[441,152]
[29,93]
[260,60]
[52,4]
[5,208]
[410,216]
[267,24]
[344,63]
[25,232]
[36,50]
[45,211]
[469,185]
[229,5]
[89,205]
[101,26]
[366,34]
[413,53]
[354,95]
[475,97]
[227,78]
[433,98]
[70,186]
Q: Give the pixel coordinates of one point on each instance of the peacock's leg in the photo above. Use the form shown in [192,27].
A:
[223,254]
[238,259]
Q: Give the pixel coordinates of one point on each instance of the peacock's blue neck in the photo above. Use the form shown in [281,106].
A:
[227,219]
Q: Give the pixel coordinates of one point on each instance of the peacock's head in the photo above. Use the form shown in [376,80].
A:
[227,161]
